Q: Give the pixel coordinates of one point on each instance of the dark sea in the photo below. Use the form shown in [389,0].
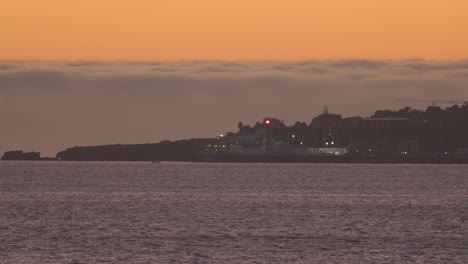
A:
[131,212]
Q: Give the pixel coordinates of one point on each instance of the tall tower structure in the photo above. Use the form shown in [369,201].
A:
[325,110]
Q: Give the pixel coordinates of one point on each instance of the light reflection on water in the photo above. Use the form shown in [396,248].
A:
[198,212]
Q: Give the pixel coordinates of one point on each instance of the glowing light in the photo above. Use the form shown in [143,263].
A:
[267,121]
[293,136]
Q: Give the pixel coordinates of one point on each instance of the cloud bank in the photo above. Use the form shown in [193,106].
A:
[51,105]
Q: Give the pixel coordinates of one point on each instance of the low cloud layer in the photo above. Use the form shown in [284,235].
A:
[49,106]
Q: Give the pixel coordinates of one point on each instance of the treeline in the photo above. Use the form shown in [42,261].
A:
[452,113]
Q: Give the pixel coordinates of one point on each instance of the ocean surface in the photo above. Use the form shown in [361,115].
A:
[131,212]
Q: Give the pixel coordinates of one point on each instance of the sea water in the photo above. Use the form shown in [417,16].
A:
[131,212]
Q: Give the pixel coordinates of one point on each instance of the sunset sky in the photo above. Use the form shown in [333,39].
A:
[232,30]
[92,72]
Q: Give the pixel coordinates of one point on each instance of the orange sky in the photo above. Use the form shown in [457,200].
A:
[232,30]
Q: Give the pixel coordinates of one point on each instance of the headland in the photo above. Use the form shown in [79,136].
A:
[433,135]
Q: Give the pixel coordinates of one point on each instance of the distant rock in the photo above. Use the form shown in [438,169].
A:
[20,155]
